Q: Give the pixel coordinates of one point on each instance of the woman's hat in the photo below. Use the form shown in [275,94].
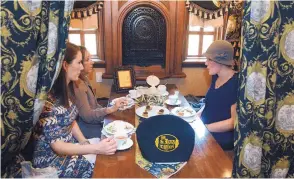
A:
[220,51]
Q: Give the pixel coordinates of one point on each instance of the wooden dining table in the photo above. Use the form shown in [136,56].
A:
[208,160]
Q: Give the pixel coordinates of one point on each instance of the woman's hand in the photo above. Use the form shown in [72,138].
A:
[118,104]
[106,146]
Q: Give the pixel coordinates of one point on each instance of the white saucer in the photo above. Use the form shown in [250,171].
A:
[178,102]
[126,145]
[130,101]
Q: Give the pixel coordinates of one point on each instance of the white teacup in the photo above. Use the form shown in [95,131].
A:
[142,89]
[177,93]
[133,93]
[120,138]
[161,88]
[173,99]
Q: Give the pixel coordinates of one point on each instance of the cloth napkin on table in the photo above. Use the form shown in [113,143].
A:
[92,157]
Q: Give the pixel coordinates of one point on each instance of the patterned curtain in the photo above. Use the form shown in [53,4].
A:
[233,30]
[264,130]
[33,36]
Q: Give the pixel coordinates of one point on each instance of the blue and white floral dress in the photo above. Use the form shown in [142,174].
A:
[55,124]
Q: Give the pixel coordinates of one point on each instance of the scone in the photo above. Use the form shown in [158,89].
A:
[161,111]
[180,113]
[148,108]
[145,114]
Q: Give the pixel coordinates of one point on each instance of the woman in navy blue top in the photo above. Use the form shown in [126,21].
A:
[219,111]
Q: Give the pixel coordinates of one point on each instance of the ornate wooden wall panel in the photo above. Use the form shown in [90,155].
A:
[144,37]
[174,14]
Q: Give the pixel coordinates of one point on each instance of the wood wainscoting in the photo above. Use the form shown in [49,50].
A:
[176,17]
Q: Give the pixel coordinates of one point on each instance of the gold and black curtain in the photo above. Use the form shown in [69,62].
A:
[33,37]
[233,25]
[264,130]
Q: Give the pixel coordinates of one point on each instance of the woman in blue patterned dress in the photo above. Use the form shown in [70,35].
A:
[59,140]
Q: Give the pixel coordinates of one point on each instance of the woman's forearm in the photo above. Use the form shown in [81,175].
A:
[63,148]
[86,112]
[221,126]
[77,133]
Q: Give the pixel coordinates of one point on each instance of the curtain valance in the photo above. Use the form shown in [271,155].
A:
[83,9]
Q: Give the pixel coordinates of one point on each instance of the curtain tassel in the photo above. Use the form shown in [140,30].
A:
[195,11]
[99,7]
[237,53]
[187,3]
[190,9]
[79,14]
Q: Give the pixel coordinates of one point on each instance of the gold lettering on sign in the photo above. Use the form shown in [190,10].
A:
[166,142]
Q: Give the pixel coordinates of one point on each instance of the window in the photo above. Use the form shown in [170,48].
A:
[87,38]
[199,39]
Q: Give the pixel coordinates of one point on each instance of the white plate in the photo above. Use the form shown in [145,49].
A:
[129,143]
[130,102]
[152,112]
[188,111]
[120,126]
[178,102]
[138,95]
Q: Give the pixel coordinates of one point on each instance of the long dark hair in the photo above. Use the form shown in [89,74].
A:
[83,51]
[60,88]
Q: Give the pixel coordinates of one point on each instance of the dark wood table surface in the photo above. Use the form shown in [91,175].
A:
[208,160]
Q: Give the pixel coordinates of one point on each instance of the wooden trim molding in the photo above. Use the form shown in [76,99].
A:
[193,64]
[99,64]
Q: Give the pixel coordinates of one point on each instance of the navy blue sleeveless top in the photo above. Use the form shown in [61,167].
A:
[217,108]
[218,101]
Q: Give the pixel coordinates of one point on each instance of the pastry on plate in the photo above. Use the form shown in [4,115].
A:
[145,114]
[161,111]
[181,113]
[148,108]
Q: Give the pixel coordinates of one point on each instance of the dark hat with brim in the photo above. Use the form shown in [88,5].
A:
[220,51]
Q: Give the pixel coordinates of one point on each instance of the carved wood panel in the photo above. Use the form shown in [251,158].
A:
[144,37]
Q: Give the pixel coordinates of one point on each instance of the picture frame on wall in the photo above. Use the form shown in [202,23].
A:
[124,79]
